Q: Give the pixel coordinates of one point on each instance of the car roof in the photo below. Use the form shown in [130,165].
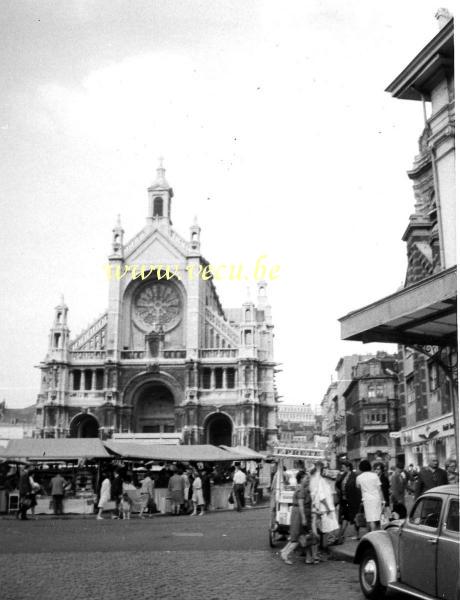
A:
[444,489]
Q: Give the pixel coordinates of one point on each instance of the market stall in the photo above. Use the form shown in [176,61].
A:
[76,459]
[197,455]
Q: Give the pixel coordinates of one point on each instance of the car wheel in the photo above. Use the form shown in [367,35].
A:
[369,575]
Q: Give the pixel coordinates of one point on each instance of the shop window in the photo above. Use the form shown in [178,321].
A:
[231,378]
[218,374]
[169,429]
[410,390]
[206,379]
[151,429]
[434,377]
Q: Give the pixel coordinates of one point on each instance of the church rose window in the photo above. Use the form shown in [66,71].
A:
[157,304]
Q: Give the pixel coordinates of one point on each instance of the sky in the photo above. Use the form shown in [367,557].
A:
[276,134]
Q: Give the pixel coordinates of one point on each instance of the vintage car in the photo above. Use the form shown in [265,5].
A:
[418,556]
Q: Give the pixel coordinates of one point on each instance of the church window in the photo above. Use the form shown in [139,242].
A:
[57,338]
[194,236]
[247,314]
[247,337]
[206,379]
[76,380]
[231,378]
[158,207]
[59,317]
[218,373]
[99,379]
[88,379]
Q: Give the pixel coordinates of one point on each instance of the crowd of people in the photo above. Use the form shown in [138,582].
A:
[188,489]
[365,498]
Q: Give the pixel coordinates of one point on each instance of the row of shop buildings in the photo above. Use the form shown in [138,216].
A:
[418,386]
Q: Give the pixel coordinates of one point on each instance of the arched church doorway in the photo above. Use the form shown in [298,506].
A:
[154,410]
[84,426]
[219,430]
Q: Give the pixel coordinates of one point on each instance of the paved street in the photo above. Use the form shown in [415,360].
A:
[219,556]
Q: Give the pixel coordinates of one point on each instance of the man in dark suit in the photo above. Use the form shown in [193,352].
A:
[429,477]
[25,489]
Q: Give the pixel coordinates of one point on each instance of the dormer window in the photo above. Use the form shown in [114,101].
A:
[158,207]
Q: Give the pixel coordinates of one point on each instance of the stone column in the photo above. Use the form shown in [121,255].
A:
[213,378]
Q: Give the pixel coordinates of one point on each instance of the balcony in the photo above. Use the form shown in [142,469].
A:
[142,355]
[218,353]
[87,355]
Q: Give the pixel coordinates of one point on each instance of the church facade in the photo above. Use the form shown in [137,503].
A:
[165,357]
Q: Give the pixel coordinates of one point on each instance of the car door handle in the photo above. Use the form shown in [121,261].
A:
[432,541]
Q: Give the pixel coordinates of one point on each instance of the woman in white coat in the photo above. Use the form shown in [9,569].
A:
[104,497]
[371,491]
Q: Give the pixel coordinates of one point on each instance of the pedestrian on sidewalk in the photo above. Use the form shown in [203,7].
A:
[57,492]
[147,487]
[371,490]
[197,496]
[301,522]
[322,503]
[104,496]
[239,486]
[25,490]
[116,492]
[398,485]
[430,477]
[176,486]
[349,499]
[452,472]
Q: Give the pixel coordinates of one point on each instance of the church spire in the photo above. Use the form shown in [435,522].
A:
[160,194]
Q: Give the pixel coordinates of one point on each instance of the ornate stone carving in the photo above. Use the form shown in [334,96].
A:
[157,303]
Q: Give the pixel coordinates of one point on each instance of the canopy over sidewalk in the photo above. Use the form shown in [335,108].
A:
[244,452]
[201,453]
[55,449]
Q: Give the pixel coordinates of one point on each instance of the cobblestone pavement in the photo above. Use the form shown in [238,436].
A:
[216,557]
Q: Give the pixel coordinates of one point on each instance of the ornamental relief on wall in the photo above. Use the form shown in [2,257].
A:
[157,304]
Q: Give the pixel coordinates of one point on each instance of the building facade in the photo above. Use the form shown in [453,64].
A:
[422,316]
[166,356]
[371,405]
[298,424]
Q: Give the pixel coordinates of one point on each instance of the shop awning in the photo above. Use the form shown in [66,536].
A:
[56,449]
[244,452]
[422,313]
[200,453]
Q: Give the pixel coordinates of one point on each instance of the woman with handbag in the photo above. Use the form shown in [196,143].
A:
[300,525]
